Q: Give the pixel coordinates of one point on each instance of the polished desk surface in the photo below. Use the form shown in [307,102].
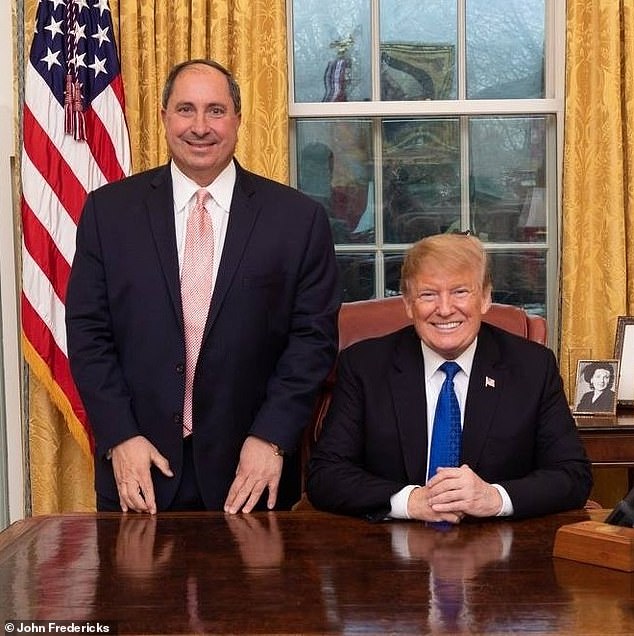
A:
[306,573]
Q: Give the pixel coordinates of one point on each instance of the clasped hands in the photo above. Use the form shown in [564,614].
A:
[259,468]
[451,494]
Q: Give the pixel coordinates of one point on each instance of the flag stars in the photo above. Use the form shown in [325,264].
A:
[81,4]
[101,35]
[54,27]
[79,60]
[51,58]
[102,5]
[80,32]
[99,66]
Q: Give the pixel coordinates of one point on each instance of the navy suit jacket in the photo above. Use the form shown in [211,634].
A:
[518,433]
[269,341]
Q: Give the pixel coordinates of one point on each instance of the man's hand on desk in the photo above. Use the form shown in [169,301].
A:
[260,467]
[461,491]
[131,462]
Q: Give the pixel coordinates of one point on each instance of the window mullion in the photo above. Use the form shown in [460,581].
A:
[461,60]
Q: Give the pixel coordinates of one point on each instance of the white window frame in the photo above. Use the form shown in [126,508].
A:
[552,104]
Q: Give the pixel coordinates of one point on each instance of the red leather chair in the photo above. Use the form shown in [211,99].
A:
[370,318]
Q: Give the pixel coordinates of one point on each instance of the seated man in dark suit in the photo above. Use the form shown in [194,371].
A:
[518,452]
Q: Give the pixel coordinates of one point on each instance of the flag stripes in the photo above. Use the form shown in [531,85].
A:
[73,48]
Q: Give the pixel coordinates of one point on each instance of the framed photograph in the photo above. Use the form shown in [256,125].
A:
[596,387]
[624,353]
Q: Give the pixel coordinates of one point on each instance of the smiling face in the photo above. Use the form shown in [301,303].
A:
[447,309]
[600,380]
[201,124]
[446,291]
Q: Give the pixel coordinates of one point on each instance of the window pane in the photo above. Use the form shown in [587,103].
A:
[392,266]
[505,49]
[358,274]
[421,178]
[519,278]
[418,49]
[334,166]
[332,50]
[508,163]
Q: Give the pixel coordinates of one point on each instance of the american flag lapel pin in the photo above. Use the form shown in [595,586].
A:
[489,382]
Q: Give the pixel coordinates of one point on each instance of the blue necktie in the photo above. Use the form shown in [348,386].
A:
[447,433]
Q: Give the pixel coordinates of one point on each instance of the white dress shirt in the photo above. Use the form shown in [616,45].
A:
[434,379]
[221,191]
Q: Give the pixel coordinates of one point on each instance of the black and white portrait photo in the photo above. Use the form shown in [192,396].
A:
[596,387]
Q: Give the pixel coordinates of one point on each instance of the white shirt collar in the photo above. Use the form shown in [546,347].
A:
[433,360]
[221,188]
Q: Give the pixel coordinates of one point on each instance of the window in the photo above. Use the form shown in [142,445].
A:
[413,117]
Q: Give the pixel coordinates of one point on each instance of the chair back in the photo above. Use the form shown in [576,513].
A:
[377,317]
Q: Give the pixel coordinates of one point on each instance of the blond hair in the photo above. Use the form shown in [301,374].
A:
[450,252]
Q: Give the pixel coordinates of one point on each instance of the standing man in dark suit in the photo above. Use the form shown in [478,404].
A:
[267,337]
[520,451]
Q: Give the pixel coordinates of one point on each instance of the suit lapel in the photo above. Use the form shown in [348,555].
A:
[242,217]
[407,385]
[486,384]
[160,211]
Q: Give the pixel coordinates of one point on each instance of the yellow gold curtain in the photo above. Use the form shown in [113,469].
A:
[597,261]
[250,39]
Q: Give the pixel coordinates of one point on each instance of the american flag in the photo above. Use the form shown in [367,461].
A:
[75,140]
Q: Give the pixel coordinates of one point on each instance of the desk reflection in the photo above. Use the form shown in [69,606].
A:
[454,559]
[138,555]
[155,564]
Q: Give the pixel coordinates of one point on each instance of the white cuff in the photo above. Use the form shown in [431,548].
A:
[507,506]
[398,501]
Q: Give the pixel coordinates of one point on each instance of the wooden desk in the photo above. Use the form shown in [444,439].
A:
[609,441]
[305,572]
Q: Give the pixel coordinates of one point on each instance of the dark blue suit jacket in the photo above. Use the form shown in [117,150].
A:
[270,339]
[518,433]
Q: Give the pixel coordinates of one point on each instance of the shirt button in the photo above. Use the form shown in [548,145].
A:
[178,418]
[180,368]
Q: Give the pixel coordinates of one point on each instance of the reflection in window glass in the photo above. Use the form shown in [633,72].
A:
[508,162]
[332,50]
[392,266]
[334,166]
[519,278]
[421,178]
[357,274]
[418,49]
[505,49]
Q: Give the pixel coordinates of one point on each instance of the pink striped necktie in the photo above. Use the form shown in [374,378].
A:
[196,282]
